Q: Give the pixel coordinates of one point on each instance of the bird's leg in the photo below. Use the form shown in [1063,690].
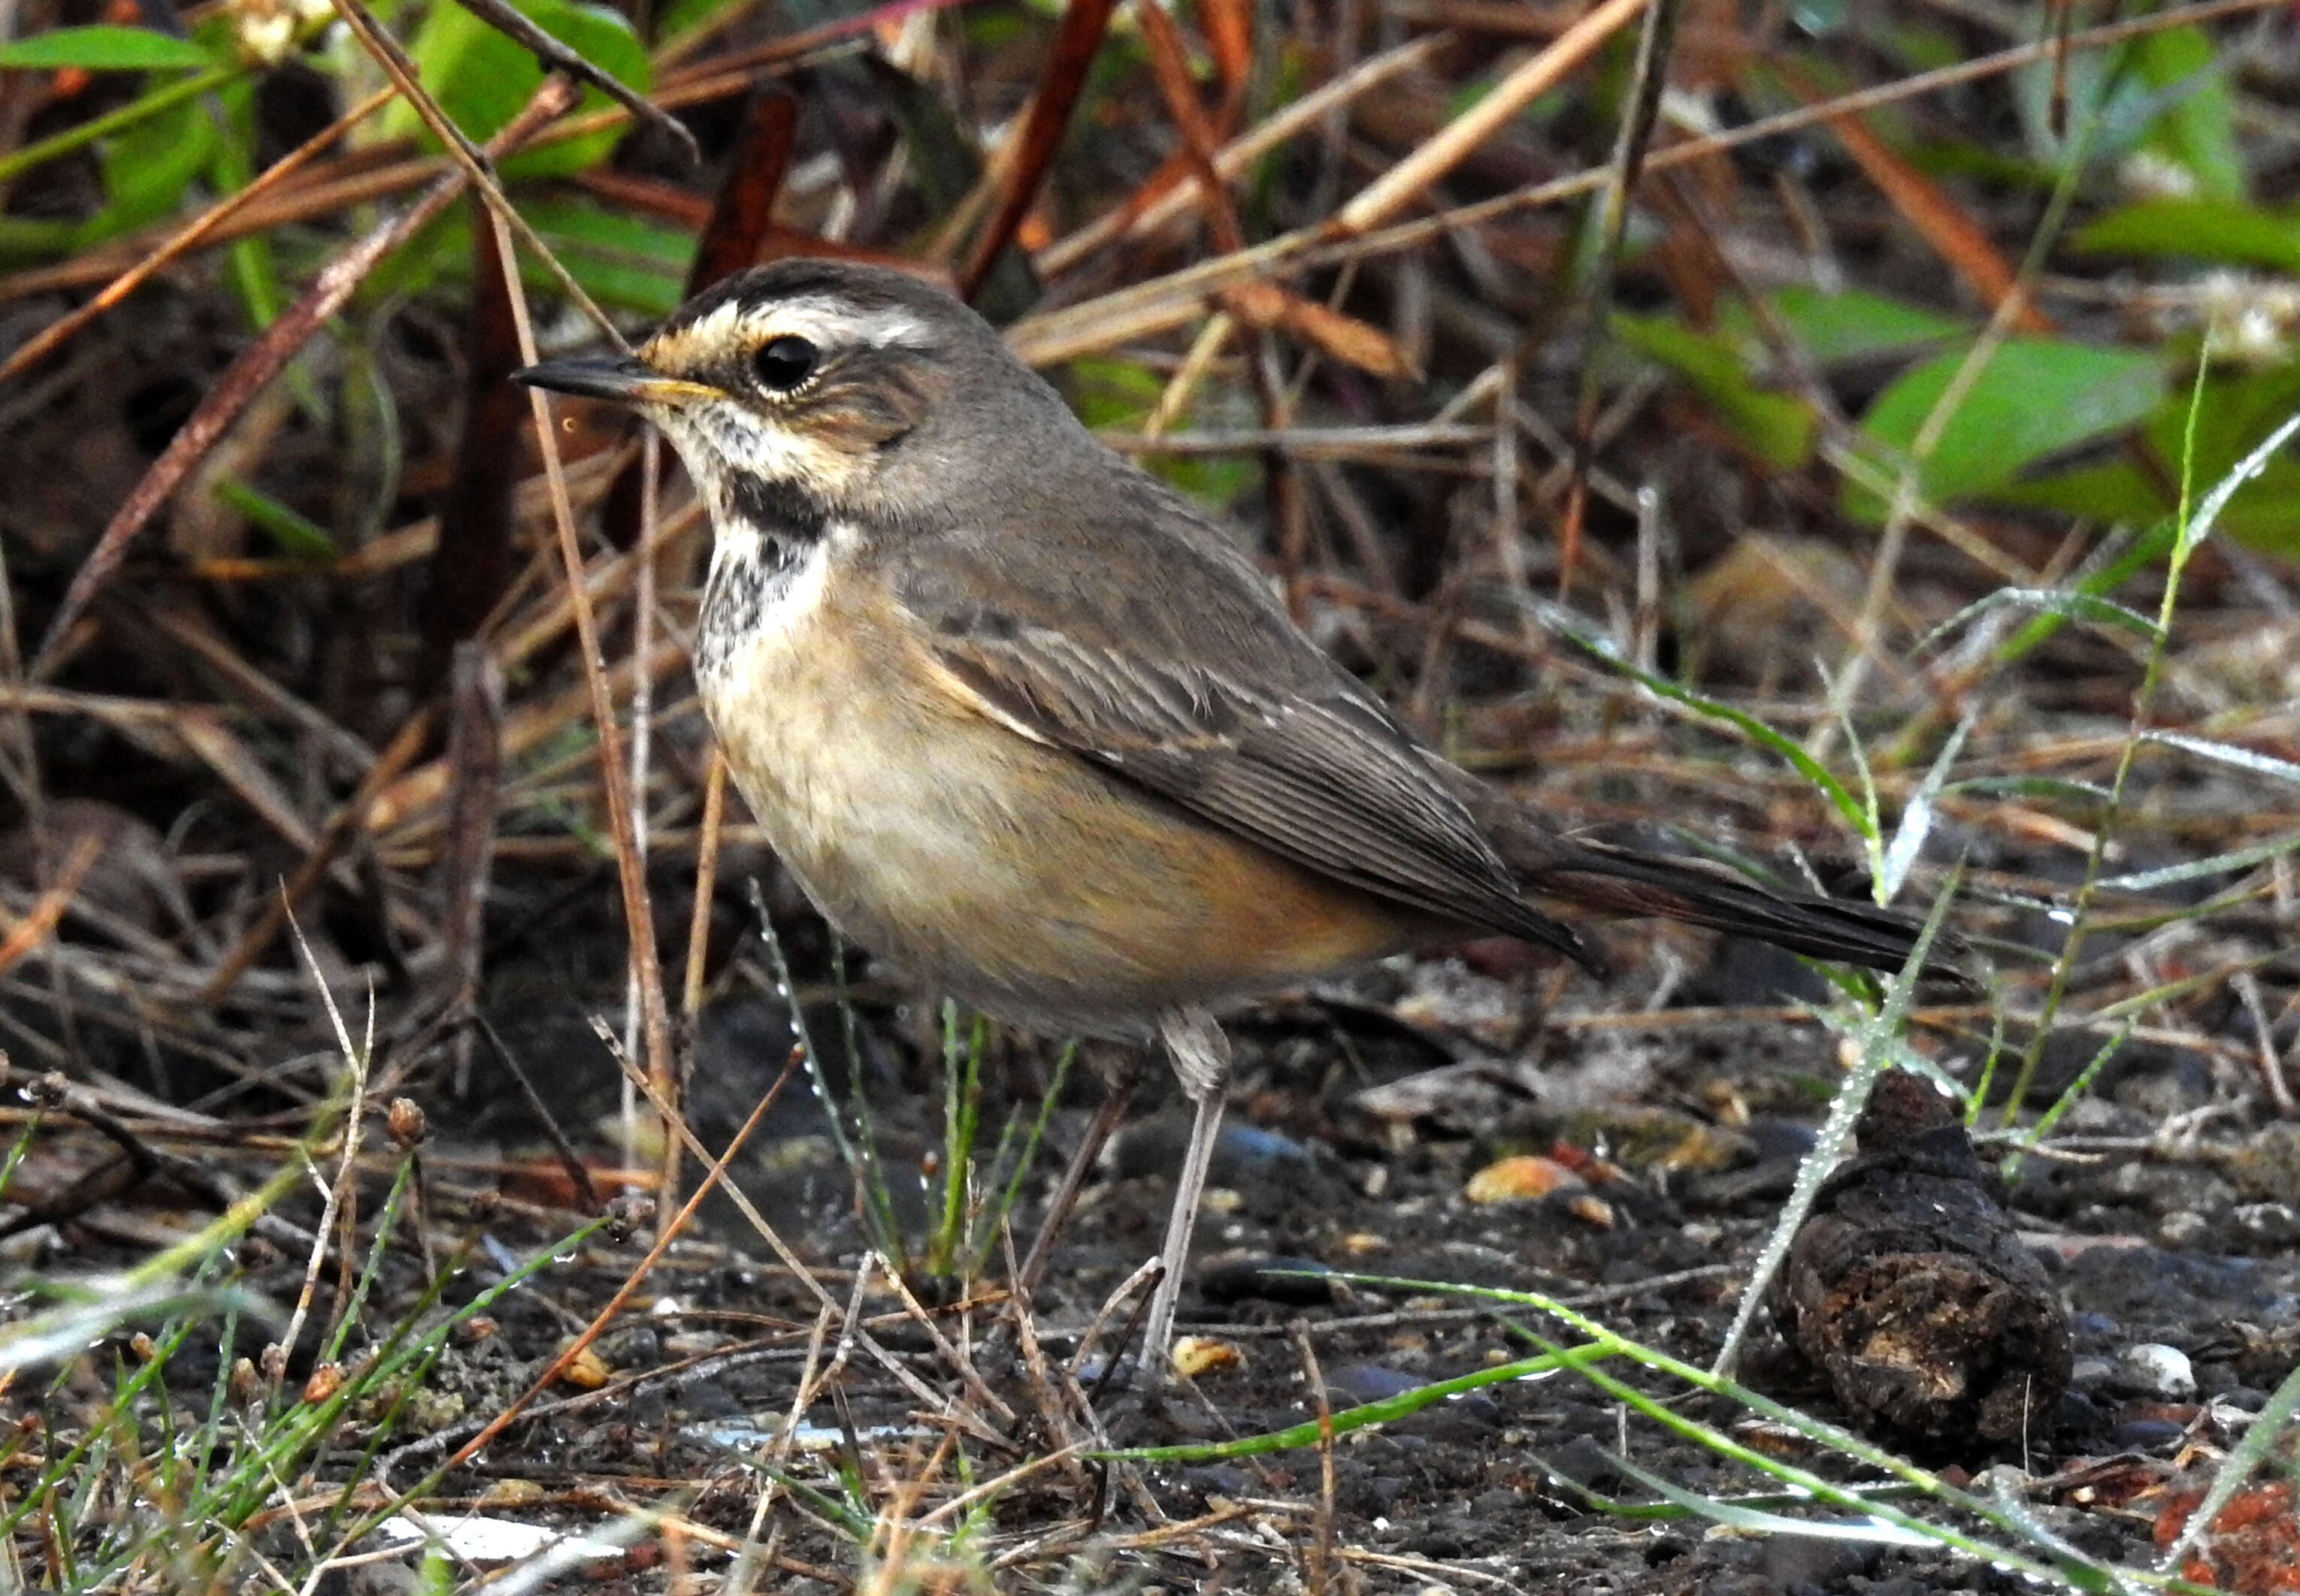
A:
[1200,1054]
[1119,1085]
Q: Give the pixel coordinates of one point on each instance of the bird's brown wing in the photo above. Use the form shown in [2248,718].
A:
[1187,681]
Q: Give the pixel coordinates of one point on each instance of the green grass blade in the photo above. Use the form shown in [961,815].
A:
[1343,1421]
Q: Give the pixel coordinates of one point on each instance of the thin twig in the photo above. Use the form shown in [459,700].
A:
[638,911]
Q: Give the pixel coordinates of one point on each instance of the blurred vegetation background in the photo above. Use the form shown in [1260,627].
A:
[1788,416]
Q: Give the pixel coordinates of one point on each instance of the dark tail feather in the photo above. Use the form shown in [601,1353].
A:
[1619,880]
[1588,874]
[1611,879]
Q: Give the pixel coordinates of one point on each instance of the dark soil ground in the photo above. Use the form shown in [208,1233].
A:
[1361,1113]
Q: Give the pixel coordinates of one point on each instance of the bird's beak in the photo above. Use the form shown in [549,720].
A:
[619,378]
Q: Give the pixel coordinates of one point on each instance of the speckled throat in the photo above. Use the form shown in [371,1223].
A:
[763,533]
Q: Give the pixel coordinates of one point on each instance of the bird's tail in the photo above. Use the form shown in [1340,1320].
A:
[1602,877]
[1607,879]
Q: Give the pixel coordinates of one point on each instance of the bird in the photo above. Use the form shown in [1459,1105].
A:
[1026,721]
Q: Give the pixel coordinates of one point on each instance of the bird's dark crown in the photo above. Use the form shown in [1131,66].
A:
[767,334]
[868,290]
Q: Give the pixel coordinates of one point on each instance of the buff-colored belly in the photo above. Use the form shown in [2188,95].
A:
[1009,874]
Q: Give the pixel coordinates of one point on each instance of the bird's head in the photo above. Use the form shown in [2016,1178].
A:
[860,389]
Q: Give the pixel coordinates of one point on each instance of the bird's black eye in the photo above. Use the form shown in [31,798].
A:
[783,363]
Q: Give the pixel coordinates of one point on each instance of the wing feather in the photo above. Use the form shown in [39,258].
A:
[1266,738]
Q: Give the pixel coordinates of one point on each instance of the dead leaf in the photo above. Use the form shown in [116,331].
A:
[1346,338]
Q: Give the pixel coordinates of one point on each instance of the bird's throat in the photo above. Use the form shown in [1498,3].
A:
[768,537]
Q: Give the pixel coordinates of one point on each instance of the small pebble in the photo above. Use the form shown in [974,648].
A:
[1591,1210]
[2156,1369]
[1264,1152]
[587,1370]
[2267,1224]
[2229,1418]
[2086,1373]
[2183,1228]
[1527,1175]
[512,1493]
[2214,1375]
[1371,1382]
[1195,1356]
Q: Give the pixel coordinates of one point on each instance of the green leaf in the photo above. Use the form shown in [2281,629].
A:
[2233,754]
[23,240]
[2236,412]
[297,535]
[2200,229]
[2264,514]
[2117,561]
[254,272]
[1833,328]
[1776,428]
[2088,795]
[148,168]
[2116,492]
[618,260]
[2069,604]
[1915,44]
[104,49]
[2196,130]
[2114,102]
[482,78]
[2034,397]
[2237,858]
[169,94]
